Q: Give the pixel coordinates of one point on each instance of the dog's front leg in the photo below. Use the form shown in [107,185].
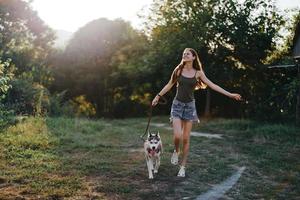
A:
[150,167]
[157,164]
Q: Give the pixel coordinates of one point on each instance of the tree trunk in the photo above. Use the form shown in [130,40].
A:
[298,109]
[207,103]
[298,99]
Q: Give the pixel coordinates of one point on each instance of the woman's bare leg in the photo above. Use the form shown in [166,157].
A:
[177,133]
[187,127]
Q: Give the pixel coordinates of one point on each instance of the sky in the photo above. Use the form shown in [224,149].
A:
[70,15]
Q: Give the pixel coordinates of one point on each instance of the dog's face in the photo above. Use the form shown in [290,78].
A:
[153,141]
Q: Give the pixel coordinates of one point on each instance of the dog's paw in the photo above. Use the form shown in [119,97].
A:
[150,177]
[155,171]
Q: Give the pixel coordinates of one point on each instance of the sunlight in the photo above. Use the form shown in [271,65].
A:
[70,15]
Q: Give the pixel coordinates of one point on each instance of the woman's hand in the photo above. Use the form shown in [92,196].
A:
[235,96]
[155,100]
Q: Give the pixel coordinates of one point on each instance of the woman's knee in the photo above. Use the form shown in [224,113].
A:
[186,140]
[177,135]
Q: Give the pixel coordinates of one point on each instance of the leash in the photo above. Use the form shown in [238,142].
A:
[150,115]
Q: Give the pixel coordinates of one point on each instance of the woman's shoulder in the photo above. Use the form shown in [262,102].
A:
[199,73]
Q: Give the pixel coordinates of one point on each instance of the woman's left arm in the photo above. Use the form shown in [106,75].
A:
[217,88]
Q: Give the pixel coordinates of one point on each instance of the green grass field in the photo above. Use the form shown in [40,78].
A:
[61,158]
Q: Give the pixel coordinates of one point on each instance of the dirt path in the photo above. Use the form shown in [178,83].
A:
[193,133]
[219,190]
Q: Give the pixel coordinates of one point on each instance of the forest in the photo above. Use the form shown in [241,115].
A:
[108,69]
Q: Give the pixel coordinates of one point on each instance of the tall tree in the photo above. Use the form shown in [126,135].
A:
[88,63]
[26,41]
[232,39]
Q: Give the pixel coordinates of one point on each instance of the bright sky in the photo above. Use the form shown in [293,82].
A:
[70,15]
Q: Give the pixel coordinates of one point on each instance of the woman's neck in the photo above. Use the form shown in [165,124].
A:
[188,65]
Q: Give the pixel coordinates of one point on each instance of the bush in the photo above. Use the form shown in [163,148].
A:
[82,107]
[6,115]
[77,107]
[28,98]
[59,107]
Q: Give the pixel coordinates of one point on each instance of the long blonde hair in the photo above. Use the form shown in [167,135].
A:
[197,65]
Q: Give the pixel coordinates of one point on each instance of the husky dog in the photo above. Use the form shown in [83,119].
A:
[153,149]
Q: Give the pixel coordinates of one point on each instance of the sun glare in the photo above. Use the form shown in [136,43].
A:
[70,15]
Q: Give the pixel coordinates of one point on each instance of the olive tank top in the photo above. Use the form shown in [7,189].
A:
[185,88]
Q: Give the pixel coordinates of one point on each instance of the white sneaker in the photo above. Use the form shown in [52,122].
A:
[181,172]
[174,158]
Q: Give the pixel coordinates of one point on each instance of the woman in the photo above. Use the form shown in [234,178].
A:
[188,76]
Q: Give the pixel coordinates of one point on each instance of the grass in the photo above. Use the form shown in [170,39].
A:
[63,158]
[269,151]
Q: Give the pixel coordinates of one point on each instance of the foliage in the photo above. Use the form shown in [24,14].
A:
[98,61]
[110,69]
[82,107]
[6,74]
[232,39]
[56,104]
[27,97]
[26,41]
[282,84]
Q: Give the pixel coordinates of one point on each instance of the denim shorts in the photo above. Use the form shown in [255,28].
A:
[184,111]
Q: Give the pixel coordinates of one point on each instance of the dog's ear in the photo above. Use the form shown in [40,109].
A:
[157,134]
[149,134]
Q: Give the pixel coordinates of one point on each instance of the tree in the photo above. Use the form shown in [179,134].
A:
[282,96]
[6,74]
[88,64]
[27,42]
[232,39]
